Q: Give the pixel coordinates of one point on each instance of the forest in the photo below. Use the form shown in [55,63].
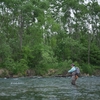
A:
[47,36]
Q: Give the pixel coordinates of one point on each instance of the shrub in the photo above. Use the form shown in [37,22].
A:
[87,69]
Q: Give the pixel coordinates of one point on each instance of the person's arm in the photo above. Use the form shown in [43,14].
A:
[72,70]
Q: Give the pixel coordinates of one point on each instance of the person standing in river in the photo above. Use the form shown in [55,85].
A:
[73,72]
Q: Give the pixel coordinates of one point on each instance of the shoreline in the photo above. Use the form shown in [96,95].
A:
[6,74]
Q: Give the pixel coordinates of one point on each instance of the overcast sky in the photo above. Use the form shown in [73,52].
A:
[90,0]
[99,1]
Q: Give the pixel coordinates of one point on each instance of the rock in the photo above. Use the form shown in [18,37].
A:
[30,72]
[15,76]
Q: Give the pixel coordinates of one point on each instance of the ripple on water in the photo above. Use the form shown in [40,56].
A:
[17,83]
[50,89]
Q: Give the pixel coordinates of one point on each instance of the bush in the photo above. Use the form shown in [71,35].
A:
[63,67]
[16,67]
[88,69]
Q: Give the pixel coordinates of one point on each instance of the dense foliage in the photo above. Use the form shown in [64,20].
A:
[49,34]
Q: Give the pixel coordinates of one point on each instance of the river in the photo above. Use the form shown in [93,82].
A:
[50,88]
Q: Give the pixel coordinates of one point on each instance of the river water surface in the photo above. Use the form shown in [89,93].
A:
[51,88]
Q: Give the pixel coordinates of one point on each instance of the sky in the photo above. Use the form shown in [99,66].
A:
[99,1]
[90,0]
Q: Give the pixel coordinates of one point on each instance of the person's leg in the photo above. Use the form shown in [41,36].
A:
[76,77]
[73,80]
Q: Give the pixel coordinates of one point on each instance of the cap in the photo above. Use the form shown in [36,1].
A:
[72,65]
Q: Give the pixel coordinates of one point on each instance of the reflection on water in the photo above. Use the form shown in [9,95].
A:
[52,88]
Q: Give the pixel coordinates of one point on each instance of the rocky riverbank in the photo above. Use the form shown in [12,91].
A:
[30,73]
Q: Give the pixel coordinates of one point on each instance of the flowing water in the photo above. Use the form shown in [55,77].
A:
[51,88]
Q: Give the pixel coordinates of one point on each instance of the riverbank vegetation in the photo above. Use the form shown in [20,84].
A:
[47,36]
